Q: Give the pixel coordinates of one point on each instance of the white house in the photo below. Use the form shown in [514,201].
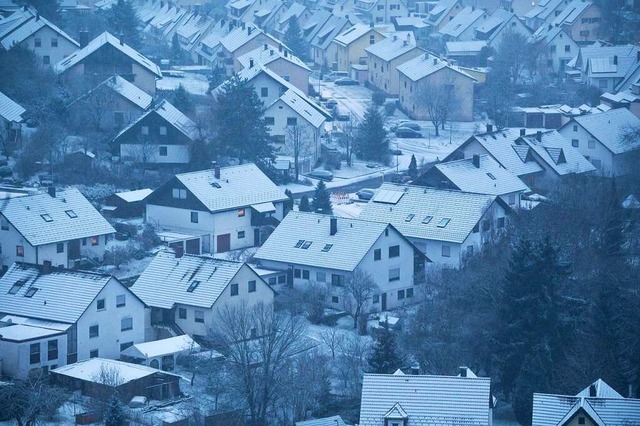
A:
[10,119]
[61,228]
[400,400]
[462,26]
[311,247]
[500,25]
[557,48]
[446,225]
[184,293]
[281,61]
[53,317]
[218,210]
[380,11]
[599,137]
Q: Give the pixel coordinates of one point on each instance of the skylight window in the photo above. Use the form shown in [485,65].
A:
[46,218]
[307,244]
[71,214]
[216,185]
[17,286]
[31,292]
[193,286]
[427,219]
[409,217]
[299,244]
[443,222]
[491,176]
[327,247]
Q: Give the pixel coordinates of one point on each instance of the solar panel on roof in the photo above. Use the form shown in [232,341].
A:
[387,197]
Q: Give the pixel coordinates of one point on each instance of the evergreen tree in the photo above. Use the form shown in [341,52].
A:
[238,124]
[114,413]
[413,167]
[182,100]
[321,199]
[176,51]
[384,358]
[294,40]
[122,20]
[614,225]
[371,141]
[305,206]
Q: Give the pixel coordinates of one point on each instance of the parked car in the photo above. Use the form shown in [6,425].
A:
[340,113]
[395,151]
[409,125]
[399,178]
[321,174]
[335,74]
[405,132]
[331,103]
[346,81]
[365,193]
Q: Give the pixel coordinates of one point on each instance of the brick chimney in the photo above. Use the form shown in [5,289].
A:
[52,191]
[489,128]
[539,135]
[333,226]
[463,371]
[46,267]
[523,132]
[216,170]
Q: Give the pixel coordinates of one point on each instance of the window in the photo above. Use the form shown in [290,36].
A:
[144,130]
[178,193]
[321,277]
[240,235]
[17,286]
[94,331]
[394,251]
[282,279]
[443,222]
[446,250]
[575,127]
[272,281]
[584,33]
[596,163]
[20,251]
[163,131]
[335,299]
[409,293]
[121,300]
[326,248]
[376,298]
[491,176]
[380,7]
[409,217]
[337,280]
[94,353]
[163,151]
[34,353]
[575,143]
[269,121]
[95,241]
[182,313]
[125,345]
[386,232]
[37,42]
[372,39]
[377,254]
[198,316]
[54,42]
[101,305]
[71,214]
[394,274]
[252,286]
[52,350]
[46,60]
[512,199]
[553,48]
[603,83]
[581,420]
[567,48]
[241,213]
[427,219]
[84,241]
[234,289]
[305,274]
[264,92]
[400,294]
[4,224]
[126,324]
[194,217]
[591,144]
[307,244]
[297,273]
[46,218]
[500,222]
[292,121]
[30,292]
[470,250]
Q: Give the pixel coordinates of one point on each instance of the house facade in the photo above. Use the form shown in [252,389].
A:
[240,41]
[323,51]
[381,11]
[281,61]
[350,45]
[581,20]
[314,248]
[61,228]
[557,46]
[10,120]
[42,328]
[223,209]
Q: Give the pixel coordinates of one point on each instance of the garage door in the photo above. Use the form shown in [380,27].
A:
[223,243]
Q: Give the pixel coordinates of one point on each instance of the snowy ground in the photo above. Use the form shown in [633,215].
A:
[194,83]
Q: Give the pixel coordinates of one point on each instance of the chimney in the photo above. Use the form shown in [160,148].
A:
[463,369]
[46,267]
[550,27]
[285,53]
[52,191]
[405,43]
[250,63]
[121,39]
[179,251]
[415,369]
[592,390]
[408,36]
[489,128]
[371,24]
[615,59]
[333,226]
[631,393]
[635,88]
[271,52]
[230,26]
[476,161]
[523,132]
[222,22]
[638,56]
[249,30]
[266,46]
[216,170]
[37,16]
[395,37]
[280,48]
[243,25]
[84,38]
[435,61]
[539,135]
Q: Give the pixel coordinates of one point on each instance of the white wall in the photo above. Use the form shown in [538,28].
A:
[55,54]
[150,153]
[16,356]
[597,153]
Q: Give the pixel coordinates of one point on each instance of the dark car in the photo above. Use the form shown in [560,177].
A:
[365,193]
[409,125]
[331,103]
[321,174]
[346,81]
[405,132]
[399,178]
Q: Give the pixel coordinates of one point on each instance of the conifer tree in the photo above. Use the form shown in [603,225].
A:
[114,413]
[321,199]
[371,141]
[413,167]
[305,206]
[181,100]
[294,40]
[384,358]
[122,20]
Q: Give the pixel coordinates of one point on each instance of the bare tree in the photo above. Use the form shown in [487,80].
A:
[332,338]
[259,343]
[348,129]
[29,401]
[358,291]
[297,144]
[439,98]
[352,362]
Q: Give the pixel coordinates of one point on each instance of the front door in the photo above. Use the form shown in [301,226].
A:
[256,237]
[384,301]
[223,243]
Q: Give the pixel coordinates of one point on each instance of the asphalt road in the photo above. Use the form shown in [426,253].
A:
[373,182]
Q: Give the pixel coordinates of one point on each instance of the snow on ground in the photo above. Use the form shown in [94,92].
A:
[196,84]
[130,269]
[348,210]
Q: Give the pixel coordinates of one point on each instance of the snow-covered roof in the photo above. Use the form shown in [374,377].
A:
[193,28]
[473,47]
[329,31]
[325,421]
[395,203]
[172,116]
[352,34]
[10,110]
[631,202]
[557,153]
[302,107]
[603,390]
[61,295]
[463,20]
[218,31]
[21,333]
[395,45]
[240,36]
[127,90]
[410,21]
[266,54]
[102,40]
[342,251]
[188,280]
[43,219]
[543,9]
[24,23]
[608,128]
[440,11]
[571,12]
[90,370]
[491,26]
[134,196]
[425,399]
[489,177]
[425,65]
[166,21]
[158,348]
[296,9]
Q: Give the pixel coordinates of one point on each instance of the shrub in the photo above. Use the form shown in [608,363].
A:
[389,108]
[5,171]
[148,237]
[378,97]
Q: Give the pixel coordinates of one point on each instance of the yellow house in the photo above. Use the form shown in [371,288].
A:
[428,83]
[350,45]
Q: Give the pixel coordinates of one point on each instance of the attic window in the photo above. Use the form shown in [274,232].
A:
[307,244]
[427,219]
[216,185]
[71,214]
[327,247]
[17,286]
[193,286]
[409,217]
[46,218]
[31,292]
[299,244]
[443,222]
[491,176]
